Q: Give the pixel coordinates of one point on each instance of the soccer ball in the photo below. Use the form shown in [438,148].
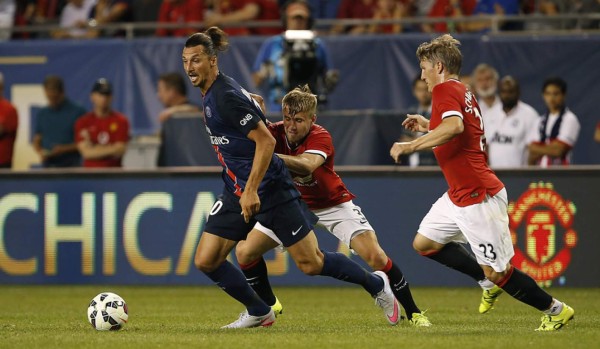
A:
[107,311]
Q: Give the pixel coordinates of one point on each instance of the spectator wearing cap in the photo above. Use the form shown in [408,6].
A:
[54,138]
[9,120]
[102,134]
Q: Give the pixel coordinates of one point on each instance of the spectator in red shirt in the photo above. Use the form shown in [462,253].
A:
[388,9]
[232,12]
[180,11]
[102,134]
[445,9]
[9,120]
[354,9]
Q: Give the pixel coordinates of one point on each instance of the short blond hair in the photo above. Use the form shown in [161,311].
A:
[300,100]
[443,49]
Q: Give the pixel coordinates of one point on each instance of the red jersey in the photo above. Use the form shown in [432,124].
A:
[323,188]
[180,12]
[463,159]
[110,129]
[269,11]
[9,121]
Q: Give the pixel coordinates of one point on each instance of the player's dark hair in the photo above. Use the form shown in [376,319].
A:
[55,83]
[301,99]
[443,49]
[174,81]
[556,81]
[213,39]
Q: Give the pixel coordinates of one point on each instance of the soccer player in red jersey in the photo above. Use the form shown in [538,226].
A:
[474,209]
[307,150]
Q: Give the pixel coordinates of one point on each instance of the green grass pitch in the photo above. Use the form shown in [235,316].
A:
[313,317]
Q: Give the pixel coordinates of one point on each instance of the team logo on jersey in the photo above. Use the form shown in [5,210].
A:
[113,127]
[207,112]
[103,137]
[544,219]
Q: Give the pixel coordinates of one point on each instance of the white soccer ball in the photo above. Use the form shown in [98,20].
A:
[107,311]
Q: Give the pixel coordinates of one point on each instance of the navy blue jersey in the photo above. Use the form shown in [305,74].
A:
[230,114]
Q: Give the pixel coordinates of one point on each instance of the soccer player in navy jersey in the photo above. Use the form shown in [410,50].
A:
[474,210]
[258,188]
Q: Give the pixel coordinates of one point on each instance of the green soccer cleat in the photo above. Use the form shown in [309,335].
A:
[556,322]
[277,307]
[419,320]
[488,298]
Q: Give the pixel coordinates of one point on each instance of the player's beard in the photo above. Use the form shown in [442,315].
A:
[510,104]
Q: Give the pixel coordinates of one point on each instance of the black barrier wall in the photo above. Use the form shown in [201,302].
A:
[142,227]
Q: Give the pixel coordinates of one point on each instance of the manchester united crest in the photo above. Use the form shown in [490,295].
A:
[541,220]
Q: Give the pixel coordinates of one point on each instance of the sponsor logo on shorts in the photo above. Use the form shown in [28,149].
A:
[294,232]
[544,220]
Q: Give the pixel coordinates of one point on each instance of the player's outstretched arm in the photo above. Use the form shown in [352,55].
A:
[303,164]
[444,132]
[265,145]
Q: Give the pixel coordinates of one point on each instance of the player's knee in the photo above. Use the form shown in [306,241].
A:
[204,265]
[419,246]
[494,276]
[244,255]
[377,260]
[424,246]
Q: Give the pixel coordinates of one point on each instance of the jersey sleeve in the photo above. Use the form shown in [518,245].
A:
[122,132]
[447,102]
[569,129]
[241,111]
[263,55]
[322,56]
[79,127]
[319,143]
[533,127]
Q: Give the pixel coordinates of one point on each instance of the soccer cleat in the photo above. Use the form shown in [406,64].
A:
[385,300]
[277,307]
[556,322]
[488,298]
[420,320]
[247,321]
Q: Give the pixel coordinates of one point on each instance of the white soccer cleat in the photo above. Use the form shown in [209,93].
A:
[385,300]
[248,321]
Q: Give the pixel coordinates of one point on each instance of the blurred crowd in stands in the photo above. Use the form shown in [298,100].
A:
[85,18]
[66,135]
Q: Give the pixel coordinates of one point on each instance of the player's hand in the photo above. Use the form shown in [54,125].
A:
[416,123]
[250,203]
[400,148]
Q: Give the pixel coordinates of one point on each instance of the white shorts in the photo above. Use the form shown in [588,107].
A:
[483,226]
[345,221]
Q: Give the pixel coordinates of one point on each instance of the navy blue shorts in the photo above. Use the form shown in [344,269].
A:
[291,221]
